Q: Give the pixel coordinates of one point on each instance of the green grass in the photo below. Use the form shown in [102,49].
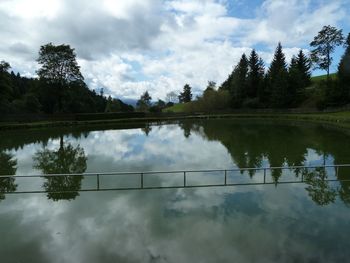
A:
[179,107]
[322,77]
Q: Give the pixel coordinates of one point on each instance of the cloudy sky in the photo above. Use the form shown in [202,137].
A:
[129,46]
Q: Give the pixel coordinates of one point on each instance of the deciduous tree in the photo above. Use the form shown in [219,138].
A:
[324,45]
[59,68]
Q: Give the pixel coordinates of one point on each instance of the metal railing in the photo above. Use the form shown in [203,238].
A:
[185,174]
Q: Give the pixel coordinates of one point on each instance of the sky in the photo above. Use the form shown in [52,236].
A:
[129,46]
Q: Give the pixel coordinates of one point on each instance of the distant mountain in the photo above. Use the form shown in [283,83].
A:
[131,102]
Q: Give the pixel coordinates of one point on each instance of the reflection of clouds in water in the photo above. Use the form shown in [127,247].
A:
[165,148]
[247,224]
[315,158]
[191,225]
[168,147]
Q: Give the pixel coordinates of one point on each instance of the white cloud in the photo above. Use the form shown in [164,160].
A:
[293,22]
[33,9]
[132,46]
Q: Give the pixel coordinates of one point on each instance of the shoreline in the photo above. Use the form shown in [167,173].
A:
[341,119]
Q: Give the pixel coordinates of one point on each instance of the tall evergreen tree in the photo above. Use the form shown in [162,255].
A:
[227,83]
[299,78]
[186,95]
[256,73]
[295,82]
[304,67]
[277,78]
[238,86]
[6,89]
[344,72]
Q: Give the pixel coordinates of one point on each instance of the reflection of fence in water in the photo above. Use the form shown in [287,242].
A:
[62,183]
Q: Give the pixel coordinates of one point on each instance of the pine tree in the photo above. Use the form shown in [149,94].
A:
[304,66]
[278,80]
[6,87]
[186,95]
[238,87]
[255,75]
[299,78]
[344,72]
[295,82]
[227,83]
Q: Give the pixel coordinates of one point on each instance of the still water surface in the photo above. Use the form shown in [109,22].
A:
[301,222]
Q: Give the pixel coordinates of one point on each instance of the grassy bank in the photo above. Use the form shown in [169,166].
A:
[317,79]
[339,118]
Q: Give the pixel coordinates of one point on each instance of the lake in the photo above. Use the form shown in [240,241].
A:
[283,220]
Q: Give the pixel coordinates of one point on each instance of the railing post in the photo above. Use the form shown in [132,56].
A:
[337,172]
[141,180]
[225,177]
[98,182]
[264,175]
[184,179]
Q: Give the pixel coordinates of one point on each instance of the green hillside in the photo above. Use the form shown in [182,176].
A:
[179,107]
[322,77]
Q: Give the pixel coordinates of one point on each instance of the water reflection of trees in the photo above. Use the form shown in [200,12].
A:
[319,189]
[147,128]
[262,143]
[66,160]
[8,166]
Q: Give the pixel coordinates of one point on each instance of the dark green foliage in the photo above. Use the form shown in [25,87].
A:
[256,74]
[59,69]
[6,88]
[277,78]
[158,106]
[60,88]
[59,65]
[344,73]
[116,105]
[212,100]
[304,67]
[65,160]
[299,78]
[329,94]
[324,45]
[186,95]
[226,84]
[144,103]
[318,188]
[8,166]
[23,95]
[239,82]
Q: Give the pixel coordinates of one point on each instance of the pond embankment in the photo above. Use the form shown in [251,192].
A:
[336,118]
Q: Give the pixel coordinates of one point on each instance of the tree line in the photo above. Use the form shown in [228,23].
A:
[59,88]
[282,84]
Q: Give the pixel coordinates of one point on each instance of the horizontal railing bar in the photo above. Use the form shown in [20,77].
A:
[169,187]
[180,171]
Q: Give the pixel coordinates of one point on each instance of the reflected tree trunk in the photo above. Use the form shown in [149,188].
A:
[66,160]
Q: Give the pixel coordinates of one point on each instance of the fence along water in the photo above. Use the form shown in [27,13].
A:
[113,181]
